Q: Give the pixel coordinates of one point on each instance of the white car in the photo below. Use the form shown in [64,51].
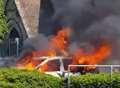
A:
[60,62]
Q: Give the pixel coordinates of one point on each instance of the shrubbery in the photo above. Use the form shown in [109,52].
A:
[3,24]
[116,80]
[96,81]
[12,78]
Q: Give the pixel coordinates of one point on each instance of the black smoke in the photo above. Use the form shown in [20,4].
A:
[90,20]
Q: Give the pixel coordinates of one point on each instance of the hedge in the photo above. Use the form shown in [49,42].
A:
[13,78]
[96,81]
[116,80]
[3,23]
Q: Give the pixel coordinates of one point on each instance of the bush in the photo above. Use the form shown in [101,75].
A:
[13,78]
[96,81]
[116,80]
[3,24]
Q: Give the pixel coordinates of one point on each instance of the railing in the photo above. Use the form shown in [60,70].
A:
[10,48]
[113,68]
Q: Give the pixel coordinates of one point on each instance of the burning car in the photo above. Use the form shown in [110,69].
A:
[50,62]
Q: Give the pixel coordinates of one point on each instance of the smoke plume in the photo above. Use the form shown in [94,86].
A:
[91,21]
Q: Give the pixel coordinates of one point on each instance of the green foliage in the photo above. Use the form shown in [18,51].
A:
[96,81]
[116,80]
[13,78]
[3,24]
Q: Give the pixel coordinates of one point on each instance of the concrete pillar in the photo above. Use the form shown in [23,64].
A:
[29,12]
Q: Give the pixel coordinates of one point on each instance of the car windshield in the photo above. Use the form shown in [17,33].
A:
[55,65]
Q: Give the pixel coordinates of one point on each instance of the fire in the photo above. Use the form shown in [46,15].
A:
[51,53]
[61,43]
[30,66]
[94,58]
[30,61]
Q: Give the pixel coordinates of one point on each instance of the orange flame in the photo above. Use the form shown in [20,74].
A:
[61,43]
[94,58]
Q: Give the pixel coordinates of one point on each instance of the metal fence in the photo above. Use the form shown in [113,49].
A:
[11,47]
[103,69]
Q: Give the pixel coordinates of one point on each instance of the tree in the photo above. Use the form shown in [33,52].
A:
[3,23]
